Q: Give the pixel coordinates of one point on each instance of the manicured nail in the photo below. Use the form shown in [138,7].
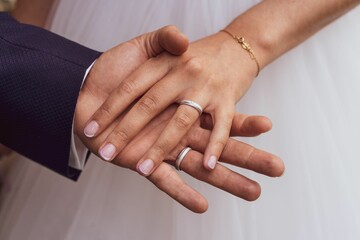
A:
[146,166]
[91,129]
[107,152]
[212,162]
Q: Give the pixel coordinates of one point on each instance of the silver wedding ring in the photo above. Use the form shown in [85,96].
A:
[192,104]
[181,157]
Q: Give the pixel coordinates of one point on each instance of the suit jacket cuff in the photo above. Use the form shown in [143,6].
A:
[78,151]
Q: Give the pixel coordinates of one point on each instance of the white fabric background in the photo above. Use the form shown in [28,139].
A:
[311,94]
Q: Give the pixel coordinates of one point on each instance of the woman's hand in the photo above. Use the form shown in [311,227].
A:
[215,73]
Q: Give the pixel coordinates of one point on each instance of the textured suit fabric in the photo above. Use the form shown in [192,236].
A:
[40,77]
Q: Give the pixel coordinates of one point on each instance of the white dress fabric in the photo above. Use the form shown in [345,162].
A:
[311,94]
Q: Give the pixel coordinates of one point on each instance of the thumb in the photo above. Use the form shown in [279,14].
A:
[168,39]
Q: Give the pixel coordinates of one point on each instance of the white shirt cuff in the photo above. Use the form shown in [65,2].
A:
[78,150]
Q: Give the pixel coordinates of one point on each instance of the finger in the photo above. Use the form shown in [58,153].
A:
[252,158]
[242,124]
[167,180]
[239,154]
[220,134]
[127,92]
[251,126]
[168,38]
[221,177]
[176,129]
[145,109]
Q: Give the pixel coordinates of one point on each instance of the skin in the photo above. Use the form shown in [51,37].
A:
[114,66]
[215,72]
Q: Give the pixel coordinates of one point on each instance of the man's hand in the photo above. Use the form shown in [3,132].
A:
[107,74]
[116,64]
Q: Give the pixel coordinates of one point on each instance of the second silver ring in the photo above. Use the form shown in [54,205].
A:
[181,157]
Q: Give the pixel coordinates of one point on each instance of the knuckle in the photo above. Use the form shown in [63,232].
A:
[161,149]
[249,157]
[194,66]
[148,104]
[220,144]
[183,120]
[120,134]
[105,112]
[127,87]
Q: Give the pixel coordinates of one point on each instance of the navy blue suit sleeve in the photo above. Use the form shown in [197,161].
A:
[40,77]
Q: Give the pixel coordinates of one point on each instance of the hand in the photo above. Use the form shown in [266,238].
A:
[113,67]
[215,73]
[235,153]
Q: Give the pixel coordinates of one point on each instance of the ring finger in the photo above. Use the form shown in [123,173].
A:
[146,108]
[176,129]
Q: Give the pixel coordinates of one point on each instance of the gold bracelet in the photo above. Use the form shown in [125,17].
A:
[246,46]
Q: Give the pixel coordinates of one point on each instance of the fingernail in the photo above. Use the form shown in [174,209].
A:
[146,166]
[107,152]
[91,129]
[212,162]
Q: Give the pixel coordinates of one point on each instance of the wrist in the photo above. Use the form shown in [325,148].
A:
[238,66]
[248,63]
[246,46]
[263,41]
